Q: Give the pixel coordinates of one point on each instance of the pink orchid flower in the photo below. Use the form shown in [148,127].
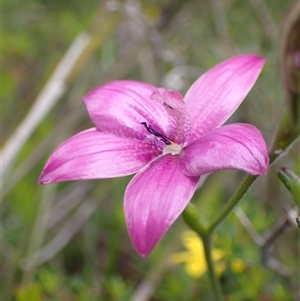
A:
[168,140]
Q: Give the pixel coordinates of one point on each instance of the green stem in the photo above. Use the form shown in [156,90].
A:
[192,219]
[244,187]
[207,244]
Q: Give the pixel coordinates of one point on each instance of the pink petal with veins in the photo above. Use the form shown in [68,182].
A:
[120,106]
[214,97]
[154,199]
[95,155]
[234,146]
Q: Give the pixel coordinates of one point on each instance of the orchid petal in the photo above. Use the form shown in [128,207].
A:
[93,155]
[234,146]
[175,106]
[153,200]
[120,106]
[214,97]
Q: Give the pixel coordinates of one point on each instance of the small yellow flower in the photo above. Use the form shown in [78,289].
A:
[238,266]
[194,257]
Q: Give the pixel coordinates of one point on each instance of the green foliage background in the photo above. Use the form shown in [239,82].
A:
[69,241]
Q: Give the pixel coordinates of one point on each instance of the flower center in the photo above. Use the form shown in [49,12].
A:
[179,122]
[161,137]
[166,144]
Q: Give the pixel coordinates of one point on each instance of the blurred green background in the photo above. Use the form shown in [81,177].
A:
[68,242]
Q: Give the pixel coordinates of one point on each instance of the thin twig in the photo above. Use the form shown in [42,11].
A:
[48,97]
[248,226]
[39,228]
[68,202]
[70,228]
[266,241]
[25,167]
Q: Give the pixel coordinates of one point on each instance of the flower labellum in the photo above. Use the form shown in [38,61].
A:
[169,141]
